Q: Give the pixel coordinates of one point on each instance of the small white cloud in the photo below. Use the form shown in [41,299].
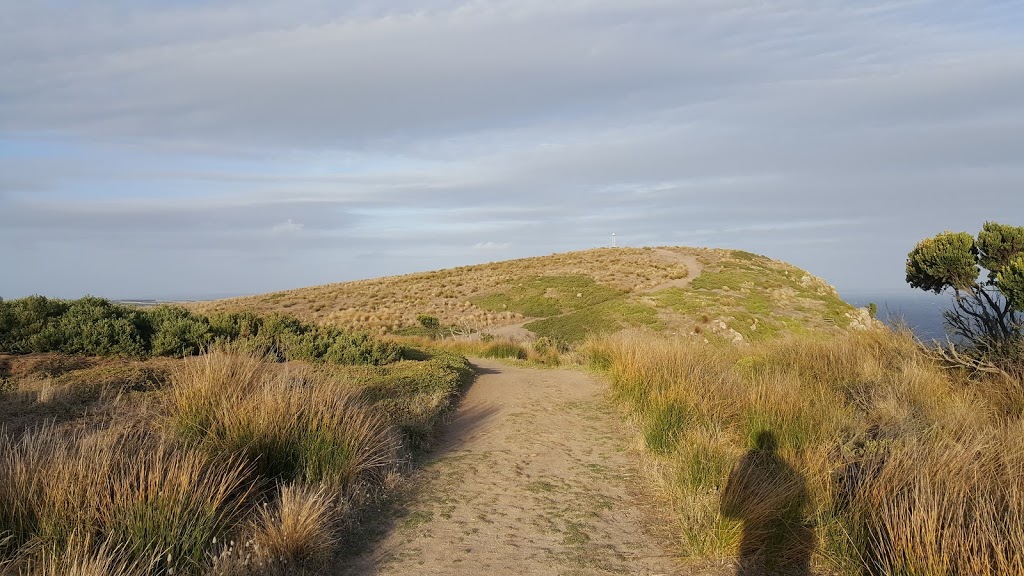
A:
[288,227]
[490,246]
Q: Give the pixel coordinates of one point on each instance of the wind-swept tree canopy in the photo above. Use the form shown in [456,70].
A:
[986,307]
[947,260]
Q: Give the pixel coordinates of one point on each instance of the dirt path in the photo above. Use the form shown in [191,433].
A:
[532,477]
[693,269]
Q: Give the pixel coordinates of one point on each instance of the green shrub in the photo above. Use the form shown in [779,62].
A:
[288,338]
[97,327]
[24,320]
[230,326]
[430,324]
[174,331]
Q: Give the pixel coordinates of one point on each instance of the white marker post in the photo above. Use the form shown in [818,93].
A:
[614,242]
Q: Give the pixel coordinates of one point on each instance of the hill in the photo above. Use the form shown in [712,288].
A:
[723,294]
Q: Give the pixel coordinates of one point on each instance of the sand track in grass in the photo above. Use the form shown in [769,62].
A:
[533,476]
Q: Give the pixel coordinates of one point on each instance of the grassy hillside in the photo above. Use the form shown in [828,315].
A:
[717,294]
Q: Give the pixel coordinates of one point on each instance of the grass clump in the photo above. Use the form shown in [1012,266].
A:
[149,502]
[292,424]
[506,350]
[298,532]
[860,447]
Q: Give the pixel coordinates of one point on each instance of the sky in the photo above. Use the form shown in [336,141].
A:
[163,149]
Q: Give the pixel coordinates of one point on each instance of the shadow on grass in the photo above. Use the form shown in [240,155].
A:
[770,497]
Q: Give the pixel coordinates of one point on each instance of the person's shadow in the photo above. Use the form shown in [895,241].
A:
[770,497]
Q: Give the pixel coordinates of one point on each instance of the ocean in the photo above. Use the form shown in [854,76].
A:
[921,312]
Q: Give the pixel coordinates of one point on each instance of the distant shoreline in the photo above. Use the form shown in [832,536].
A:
[921,312]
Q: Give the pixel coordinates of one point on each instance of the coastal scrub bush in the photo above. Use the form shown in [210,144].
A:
[24,319]
[288,338]
[231,326]
[174,331]
[97,327]
[430,323]
[986,309]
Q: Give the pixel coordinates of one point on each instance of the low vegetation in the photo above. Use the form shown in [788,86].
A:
[97,327]
[787,430]
[476,298]
[226,463]
[757,298]
[541,352]
[719,294]
[860,451]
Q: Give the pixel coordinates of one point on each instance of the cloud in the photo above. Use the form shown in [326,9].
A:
[491,246]
[393,136]
[287,228]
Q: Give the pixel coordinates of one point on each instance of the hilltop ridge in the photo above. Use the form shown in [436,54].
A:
[714,293]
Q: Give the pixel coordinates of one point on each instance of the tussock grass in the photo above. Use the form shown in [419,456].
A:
[239,465]
[293,424]
[299,529]
[150,502]
[82,558]
[944,504]
[506,350]
[880,460]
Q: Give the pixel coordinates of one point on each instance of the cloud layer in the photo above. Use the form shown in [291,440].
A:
[188,148]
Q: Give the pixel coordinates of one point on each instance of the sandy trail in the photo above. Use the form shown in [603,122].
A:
[533,476]
[693,269]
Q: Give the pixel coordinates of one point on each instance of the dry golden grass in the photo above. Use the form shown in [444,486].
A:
[82,558]
[293,424]
[715,294]
[145,497]
[174,486]
[896,464]
[299,529]
[945,503]
[386,304]
[540,352]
